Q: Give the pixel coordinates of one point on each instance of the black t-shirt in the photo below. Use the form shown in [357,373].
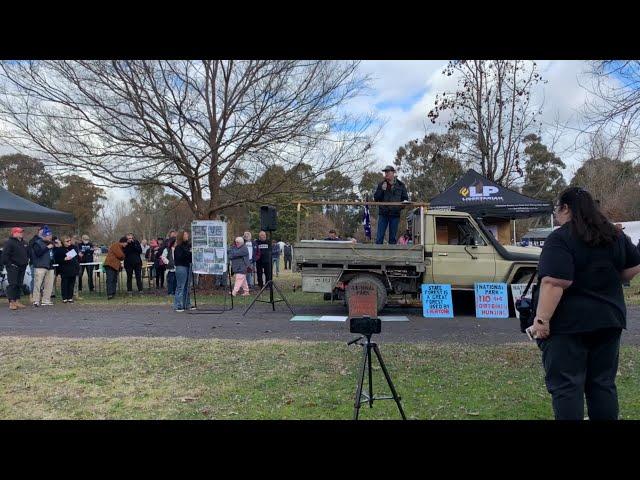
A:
[595,298]
[264,247]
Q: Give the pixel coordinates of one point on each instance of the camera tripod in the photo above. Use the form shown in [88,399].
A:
[367,345]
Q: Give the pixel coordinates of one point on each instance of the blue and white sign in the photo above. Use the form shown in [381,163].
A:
[436,301]
[492,300]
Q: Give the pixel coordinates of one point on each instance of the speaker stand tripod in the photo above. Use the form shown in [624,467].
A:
[270,285]
[367,346]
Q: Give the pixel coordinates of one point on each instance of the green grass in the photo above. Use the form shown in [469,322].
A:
[135,378]
[632,293]
[287,281]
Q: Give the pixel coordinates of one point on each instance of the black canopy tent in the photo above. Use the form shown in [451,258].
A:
[16,211]
[479,196]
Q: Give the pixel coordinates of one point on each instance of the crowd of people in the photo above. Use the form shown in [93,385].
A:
[46,257]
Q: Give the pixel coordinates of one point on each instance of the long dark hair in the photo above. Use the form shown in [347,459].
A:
[180,238]
[587,221]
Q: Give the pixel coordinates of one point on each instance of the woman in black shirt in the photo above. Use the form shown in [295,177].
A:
[182,260]
[580,310]
[68,267]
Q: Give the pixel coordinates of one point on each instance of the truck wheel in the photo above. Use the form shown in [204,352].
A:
[382,291]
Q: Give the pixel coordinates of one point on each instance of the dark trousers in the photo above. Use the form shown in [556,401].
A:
[67,285]
[130,269]
[287,261]
[393,223]
[171,283]
[15,277]
[112,281]
[582,365]
[89,269]
[160,277]
[263,268]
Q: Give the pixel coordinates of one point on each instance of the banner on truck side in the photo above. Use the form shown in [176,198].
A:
[209,246]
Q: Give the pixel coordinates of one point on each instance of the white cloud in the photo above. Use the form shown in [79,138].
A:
[395,83]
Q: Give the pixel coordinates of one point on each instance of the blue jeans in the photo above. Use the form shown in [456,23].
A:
[276,264]
[182,299]
[171,283]
[383,222]
[250,275]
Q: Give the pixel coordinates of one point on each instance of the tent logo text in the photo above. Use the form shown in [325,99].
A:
[478,190]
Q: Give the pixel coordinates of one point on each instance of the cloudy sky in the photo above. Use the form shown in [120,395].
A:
[404,91]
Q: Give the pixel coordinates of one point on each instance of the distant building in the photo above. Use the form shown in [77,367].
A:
[536,236]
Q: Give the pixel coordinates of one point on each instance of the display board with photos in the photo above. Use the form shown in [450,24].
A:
[209,246]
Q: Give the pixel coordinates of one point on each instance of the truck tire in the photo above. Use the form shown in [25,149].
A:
[367,278]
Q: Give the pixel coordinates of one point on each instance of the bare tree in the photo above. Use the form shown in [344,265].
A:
[110,218]
[612,113]
[192,127]
[492,112]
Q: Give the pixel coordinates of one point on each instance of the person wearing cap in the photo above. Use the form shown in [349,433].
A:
[16,258]
[42,262]
[389,190]
[86,256]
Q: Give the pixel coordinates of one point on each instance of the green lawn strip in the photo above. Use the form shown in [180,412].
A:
[286,281]
[632,293]
[152,298]
[140,378]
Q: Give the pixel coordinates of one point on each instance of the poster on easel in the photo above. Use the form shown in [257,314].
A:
[209,246]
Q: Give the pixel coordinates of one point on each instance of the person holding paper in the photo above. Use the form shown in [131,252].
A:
[66,257]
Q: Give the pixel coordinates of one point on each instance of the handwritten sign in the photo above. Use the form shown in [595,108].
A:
[436,301]
[517,289]
[363,300]
[492,300]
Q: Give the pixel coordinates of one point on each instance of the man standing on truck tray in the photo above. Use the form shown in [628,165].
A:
[389,190]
